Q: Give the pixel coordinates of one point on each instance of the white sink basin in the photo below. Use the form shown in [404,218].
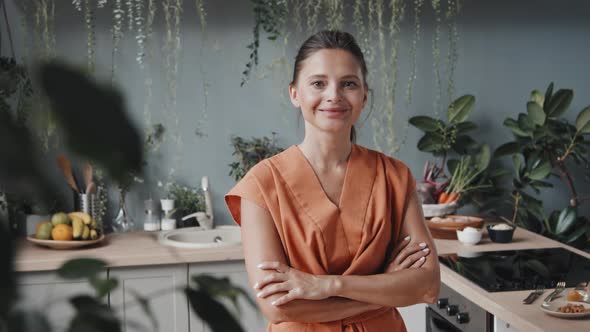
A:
[195,237]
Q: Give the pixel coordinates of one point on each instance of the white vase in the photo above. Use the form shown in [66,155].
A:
[167,204]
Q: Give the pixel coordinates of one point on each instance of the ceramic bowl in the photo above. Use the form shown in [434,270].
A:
[469,238]
[438,210]
[500,236]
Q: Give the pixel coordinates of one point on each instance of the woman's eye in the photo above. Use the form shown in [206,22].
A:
[318,84]
[350,84]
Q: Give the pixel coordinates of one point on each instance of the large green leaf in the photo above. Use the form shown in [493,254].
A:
[583,121]
[464,127]
[536,113]
[565,221]
[92,316]
[460,108]
[576,234]
[559,103]
[507,149]
[541,171]
[425,123]
[513,125]
[213,313]
[103,286]
[95,122]
[482,159]
[517,162]
[548,94]
[430,143]
[81,268]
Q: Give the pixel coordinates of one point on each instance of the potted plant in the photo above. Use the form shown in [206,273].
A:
[250,152]
[187,200]
[446,182]
[545,144]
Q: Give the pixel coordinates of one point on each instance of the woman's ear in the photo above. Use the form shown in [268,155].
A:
[293,95]
[366,96]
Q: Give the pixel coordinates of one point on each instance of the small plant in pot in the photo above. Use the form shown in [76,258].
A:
[441,192]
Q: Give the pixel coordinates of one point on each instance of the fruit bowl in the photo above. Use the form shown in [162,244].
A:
[64,244]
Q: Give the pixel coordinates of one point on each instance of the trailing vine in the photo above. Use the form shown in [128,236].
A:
[130,15]
[117,34]
[359,23]
[172,46]
[452,55]
[335,16]
[417,29]
[269,15]
[90,35]
[151,14]
[203,20]
[140,37]
[202,15]
[436,56]
[297,6]
[312,11]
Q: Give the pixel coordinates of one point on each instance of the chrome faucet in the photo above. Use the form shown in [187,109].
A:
[204,219]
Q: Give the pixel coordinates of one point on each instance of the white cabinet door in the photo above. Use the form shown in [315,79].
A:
[414,317]
[163,285]
[251,319]
[46,292]
[502,326]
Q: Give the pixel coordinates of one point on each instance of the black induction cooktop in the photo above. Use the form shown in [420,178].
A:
[513,270]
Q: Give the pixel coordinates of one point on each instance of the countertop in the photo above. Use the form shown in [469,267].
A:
[508,306]
[142,248]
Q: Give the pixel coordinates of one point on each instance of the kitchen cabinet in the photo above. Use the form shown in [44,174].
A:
[250,318]
[502,326]
[163,285]
[46,292]
[414,317]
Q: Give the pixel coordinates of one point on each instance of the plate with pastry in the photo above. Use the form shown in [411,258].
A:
[567,309]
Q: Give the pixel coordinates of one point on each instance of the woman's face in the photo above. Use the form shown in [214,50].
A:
[330,90]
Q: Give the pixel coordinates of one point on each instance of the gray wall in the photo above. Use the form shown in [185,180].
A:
[506,49]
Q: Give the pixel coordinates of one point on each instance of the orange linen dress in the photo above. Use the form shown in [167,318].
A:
[321,238]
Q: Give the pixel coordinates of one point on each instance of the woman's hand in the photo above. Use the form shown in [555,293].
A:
[297,284]
[408,256]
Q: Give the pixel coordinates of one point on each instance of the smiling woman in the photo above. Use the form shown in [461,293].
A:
[333,235]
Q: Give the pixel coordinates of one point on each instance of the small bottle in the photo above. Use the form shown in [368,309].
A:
[151,223]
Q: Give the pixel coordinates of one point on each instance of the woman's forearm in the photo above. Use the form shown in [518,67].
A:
[392,289]
[319,311]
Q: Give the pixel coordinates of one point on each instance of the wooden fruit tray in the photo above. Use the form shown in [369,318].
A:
[447,228]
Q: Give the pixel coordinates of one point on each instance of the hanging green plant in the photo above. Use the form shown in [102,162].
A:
[335,17]
[312,11]
[416,38]
[453,36]
[148,82]
[117,34]
[140,36]
[202,15]
[90,35]
[297,20]
[384,132]
[436,55]
[130,14]
[270,16]
[172,46]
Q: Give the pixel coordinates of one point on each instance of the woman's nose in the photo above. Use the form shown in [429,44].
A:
[333,93]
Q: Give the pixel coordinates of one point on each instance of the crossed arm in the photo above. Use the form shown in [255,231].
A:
[286,294]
